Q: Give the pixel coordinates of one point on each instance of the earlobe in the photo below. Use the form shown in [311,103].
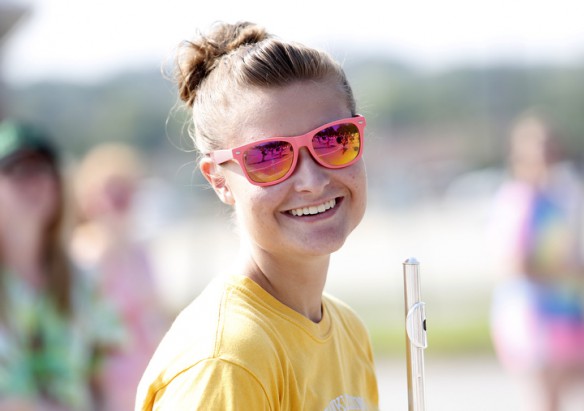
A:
[217,180]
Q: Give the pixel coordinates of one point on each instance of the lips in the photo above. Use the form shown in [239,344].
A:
[312,210]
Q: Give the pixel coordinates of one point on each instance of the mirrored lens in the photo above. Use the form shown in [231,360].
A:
[337,145]
[268,161]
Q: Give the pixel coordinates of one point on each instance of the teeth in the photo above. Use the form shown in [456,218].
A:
[321,208]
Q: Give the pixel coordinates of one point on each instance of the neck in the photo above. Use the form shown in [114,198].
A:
[296,282]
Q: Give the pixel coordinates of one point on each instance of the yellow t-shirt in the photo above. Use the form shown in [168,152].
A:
[236,347]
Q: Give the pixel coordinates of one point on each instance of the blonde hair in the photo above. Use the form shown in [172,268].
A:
[103,163]
[211,70]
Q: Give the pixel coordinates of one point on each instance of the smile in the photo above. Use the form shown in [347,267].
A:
[312,210]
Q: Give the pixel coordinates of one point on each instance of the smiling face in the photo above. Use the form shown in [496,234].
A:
[315,209]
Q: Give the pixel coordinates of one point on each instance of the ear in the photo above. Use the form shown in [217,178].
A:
[217,180]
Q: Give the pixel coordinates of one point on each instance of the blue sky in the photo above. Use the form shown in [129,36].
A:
[85,40]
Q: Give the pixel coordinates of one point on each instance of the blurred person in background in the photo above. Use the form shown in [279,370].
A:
[537,230]
[106,181]
[54,329]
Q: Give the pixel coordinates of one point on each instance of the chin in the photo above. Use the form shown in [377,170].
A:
[322,247]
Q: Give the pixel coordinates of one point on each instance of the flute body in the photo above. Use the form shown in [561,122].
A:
[416,340]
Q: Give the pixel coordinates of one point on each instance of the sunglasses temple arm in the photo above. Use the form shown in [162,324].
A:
[416,341]
[221,156]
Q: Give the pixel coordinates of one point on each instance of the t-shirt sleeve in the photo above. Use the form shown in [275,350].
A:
[213,384]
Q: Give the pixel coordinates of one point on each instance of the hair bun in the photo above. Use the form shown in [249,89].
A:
[197,58]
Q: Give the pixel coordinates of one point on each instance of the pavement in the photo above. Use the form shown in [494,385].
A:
[462,384]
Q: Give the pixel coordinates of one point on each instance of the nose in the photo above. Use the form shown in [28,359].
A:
[309,175]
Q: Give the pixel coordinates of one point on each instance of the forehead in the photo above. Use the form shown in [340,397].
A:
[24,157]
[288,111]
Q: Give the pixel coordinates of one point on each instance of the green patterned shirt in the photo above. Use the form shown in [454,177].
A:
[45,355]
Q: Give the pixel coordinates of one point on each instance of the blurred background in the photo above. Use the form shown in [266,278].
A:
[440,84]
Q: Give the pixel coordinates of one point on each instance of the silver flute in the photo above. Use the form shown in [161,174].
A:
[416,340]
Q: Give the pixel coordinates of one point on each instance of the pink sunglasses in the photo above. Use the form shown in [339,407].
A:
[267,162]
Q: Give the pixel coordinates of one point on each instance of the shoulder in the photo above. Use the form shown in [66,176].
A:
[217,342]
[341,311]
[222,322]
[347,324]
[211,381]
[191,335]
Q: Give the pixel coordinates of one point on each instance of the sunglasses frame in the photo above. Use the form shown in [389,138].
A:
[297,142]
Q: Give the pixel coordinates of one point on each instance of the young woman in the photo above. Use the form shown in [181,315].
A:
[52,326]
[281,143]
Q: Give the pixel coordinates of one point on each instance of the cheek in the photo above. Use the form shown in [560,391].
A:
[256,207]
[358,182]
[11,197]
[250,205]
